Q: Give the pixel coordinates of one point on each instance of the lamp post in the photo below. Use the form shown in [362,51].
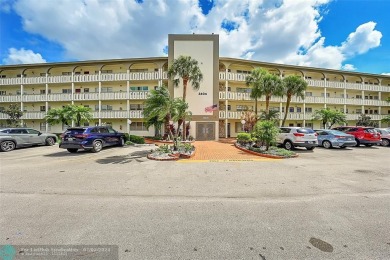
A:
[243,124]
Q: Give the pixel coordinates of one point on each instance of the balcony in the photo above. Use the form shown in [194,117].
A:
[108,114]
[132,76]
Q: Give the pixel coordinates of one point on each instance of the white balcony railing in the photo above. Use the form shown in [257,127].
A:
[118,114]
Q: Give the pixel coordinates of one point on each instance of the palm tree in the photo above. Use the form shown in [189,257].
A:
[250,119]
[180,112]
[188,70]
[80,114]
[69,113]
[293,86]
[255,80]
[272,115]
[272,86]
[159,105]
[327,115]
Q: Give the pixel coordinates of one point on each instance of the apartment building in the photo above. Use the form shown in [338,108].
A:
[116,89]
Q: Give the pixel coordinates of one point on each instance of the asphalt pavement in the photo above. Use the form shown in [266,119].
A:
[325,204]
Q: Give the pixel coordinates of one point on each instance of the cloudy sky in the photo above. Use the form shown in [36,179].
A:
[338,34]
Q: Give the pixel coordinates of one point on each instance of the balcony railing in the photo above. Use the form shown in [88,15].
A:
[118,114]
[132,76]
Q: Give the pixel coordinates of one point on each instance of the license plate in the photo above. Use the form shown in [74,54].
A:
[70,139]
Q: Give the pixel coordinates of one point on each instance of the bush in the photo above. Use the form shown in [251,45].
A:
[265,132]
[137,139]
[244,138]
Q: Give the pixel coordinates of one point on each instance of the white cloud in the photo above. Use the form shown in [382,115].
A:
[284,31]
[348,67]
[23,56]
[386,73]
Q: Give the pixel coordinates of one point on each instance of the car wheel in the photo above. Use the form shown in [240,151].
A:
[72,150]
[385,142]
[121,142]
[310,148]
[97,146]
[288,145]
[327,144]
[7,146]
[50,141]
[368,145]
[357,143]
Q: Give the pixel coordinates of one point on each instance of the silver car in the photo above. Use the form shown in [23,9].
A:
[11,138]
[333,138]
[385,136]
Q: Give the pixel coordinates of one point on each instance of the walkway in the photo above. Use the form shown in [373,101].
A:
[221,151]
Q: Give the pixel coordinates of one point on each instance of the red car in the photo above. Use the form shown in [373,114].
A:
[363,134]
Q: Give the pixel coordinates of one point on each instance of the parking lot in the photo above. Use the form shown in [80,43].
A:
[325,204]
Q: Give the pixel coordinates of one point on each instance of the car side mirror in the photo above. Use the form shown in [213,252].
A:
[39,133]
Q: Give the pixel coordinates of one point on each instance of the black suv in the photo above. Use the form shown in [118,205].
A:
[91,138]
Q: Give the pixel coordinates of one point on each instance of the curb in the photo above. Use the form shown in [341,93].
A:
[264,155]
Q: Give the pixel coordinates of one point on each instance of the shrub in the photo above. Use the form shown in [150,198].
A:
[244,138]
[265,132]
[137,139]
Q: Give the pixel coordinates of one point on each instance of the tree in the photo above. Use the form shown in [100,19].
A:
[265,132]
[69,113]
[14,113]
[271,115]
[273,86]
[188,70]
[180,112]
[158,108]
[365,120]
[386,119]
[293,86]
[255,80]
[250,120]
[327,115]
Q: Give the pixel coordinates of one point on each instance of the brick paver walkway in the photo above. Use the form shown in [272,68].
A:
[221,151]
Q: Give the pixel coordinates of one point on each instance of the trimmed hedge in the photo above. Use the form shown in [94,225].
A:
[135,139]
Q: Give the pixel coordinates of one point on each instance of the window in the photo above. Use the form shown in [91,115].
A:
[104,107]
[139,88]
[138,70]
[66,73]
[344,96]
[3,76]
[309,125]
[32,131]
[358,111]
[244,90]
[309,94]
[327,94]
[299,109]
[103,71]
[43,91]
[20,75]
[136,107]
[2,109]
[375,111]
[291,109]
[86,105]
[229,107]
[110,130]
[358,96]
[42,126]
[2,92]
[137,126]
[77,90]
[18,92]
[66,90]
[86,72]
[244,71]
[18,131]
[291,124]
[243,108]
[42,108]
[103,89]
[86,123]
[77,73]
[308,110]
[299,125]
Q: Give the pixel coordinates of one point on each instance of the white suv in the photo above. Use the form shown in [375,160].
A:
[291,137]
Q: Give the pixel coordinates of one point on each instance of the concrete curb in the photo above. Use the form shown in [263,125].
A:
[264,155]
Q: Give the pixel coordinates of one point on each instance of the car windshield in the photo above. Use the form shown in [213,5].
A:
[305,130]
[336,132]
[370,130]
[75,131]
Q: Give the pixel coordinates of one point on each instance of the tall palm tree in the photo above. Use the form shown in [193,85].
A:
[188,70]
[159,104]
[293,86]
[180,112]
[255,80]
[272,86]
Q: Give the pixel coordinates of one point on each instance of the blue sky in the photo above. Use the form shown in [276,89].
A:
[339,34]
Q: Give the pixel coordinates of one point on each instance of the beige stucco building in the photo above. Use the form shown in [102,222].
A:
[116,89]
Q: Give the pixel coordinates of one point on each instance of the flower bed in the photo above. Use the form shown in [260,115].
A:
[167,153]
[273,152]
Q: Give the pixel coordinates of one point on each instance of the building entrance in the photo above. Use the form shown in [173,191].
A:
[205,131]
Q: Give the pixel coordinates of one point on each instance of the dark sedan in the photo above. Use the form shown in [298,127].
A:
[91,138]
